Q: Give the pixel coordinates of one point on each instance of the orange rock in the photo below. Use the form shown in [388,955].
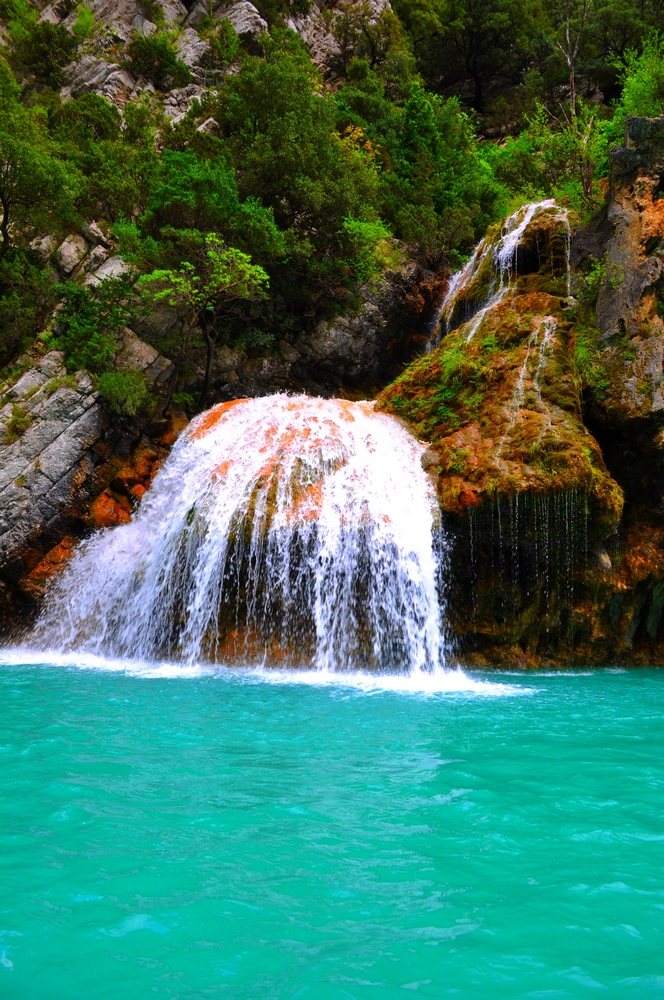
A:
[106,512]
[35,583]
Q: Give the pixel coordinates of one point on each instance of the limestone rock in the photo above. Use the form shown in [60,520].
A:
[629,236]
[94,235]
[368,347]
[244,17]
[114,267]
[44,246]
[177,102]
[98,256]
[70,253]
[92,74]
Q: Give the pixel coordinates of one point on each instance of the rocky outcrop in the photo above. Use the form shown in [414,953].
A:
[356,353]
[60,448]
[543,412]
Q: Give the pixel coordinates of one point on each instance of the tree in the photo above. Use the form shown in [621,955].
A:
[480,39]
[202,293]
[32,179]
[359,32]
[573,17]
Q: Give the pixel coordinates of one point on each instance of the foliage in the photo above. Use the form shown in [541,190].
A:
[222,39]
[87,320]
[369,248]
[18,423]
[39,46]
[112,156]
[26,296]
[555,156]
[33,181]
[155,57]
[85,23]
[126,391]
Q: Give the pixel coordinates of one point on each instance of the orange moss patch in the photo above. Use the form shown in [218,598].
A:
[209,420]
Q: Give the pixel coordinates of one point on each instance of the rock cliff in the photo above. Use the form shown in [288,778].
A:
[543,407]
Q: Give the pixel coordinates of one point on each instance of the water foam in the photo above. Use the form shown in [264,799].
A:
[280,529]
[442,681]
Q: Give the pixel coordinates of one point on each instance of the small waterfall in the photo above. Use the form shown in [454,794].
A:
[279,529]
[501,259]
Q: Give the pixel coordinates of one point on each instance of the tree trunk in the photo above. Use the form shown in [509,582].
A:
[178,364]
[210,343]
[4,227]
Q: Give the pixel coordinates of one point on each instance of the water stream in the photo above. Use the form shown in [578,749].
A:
[503,258]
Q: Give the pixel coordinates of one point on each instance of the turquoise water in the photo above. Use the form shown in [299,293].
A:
[229,837]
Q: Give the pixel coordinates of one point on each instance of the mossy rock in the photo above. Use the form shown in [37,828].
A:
[502,411]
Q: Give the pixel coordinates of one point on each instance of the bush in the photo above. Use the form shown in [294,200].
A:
[126,392]
[26,296]
[86,322]
[156,58]
[369,248]
[42,47]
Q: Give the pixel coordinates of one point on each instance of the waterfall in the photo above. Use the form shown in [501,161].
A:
[501,257]
[279,529]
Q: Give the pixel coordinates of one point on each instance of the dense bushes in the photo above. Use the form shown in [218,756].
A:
[155,57]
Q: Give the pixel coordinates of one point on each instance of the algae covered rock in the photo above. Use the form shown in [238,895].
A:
[497,398]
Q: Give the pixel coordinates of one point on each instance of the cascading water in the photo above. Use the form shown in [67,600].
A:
[502,258]
[281,527]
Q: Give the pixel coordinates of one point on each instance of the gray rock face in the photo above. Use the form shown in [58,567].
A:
[43,471]
[70,253]
[244,17]
[368,346]
[54,433]
[629,235]
[94,235]
[361,351]
[92,74]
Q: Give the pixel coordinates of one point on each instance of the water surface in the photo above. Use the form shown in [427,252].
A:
[230,836]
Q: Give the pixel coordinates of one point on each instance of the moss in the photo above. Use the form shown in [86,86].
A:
[503,409]
[17,424]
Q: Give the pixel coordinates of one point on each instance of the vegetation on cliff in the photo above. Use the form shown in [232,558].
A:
[311,177]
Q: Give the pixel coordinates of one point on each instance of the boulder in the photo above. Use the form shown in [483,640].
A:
[70,253]
[94,235]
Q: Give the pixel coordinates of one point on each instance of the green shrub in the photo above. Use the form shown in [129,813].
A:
[26,296]
[17,424]
[156,58]
[86,323]
[222,39]
[126,392]
[85,23]
[43,48]
[368,248]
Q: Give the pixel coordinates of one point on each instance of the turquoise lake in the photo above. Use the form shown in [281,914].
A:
[235,836]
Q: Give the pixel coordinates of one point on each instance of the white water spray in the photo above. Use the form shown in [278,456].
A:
[280,529]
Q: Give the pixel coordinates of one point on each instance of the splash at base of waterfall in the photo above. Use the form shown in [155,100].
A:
[283,530]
